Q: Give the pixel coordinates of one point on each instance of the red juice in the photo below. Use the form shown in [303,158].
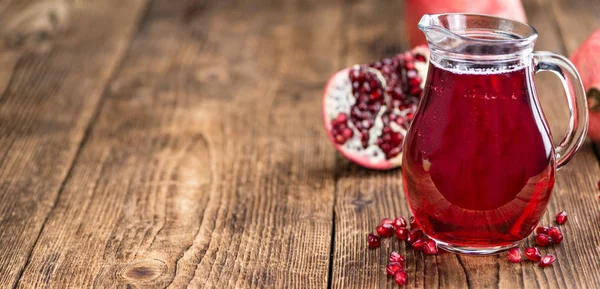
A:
[479,164]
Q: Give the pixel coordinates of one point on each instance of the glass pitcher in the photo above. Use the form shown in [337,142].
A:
[479,162]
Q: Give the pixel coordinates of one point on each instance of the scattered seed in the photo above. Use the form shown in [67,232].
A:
[393,267]
[396,257]
[414,235]
[385,230]
[556,235]
[402,233]
[400,278]
[399,223]
[543,240]
[514,255]
[413,223]
[533,254]
[418,245]
[374,241]
[430,247]
[547,260]
[561,218]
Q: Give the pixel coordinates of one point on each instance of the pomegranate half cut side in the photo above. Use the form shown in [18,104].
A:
[368,108]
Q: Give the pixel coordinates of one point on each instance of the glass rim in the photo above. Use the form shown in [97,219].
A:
[528,36]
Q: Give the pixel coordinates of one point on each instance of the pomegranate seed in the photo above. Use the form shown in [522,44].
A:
[543,240]
[402,233]
[400,278]
[415,90]
[561,217]
[413,223]
[385,230]
[556,235]
[347,133]
[541,230]
[514,255]
[396,257]
[418,245]
[430,247]
[387,221]
[414,235]
[533,254]
[374,241]
[393,267]
[547,260]
[399,223]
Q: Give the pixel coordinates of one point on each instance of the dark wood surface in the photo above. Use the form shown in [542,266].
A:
[152,144]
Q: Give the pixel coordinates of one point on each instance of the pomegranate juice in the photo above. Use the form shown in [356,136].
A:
[479,167]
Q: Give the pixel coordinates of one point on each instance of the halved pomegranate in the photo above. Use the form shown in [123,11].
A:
[368,108]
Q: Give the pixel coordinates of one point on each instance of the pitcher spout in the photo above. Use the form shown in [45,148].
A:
[472,40]
[434,30]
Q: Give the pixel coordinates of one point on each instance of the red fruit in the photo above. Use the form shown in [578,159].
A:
[374,241]
[418,244]
[402,233]
[396,257]
[399,223]
[547,260]
[415,9]
[541,230]
[413,223]
[533,254]
[430,247]
[387,221]
[514,255]
[400,278]
[414,235]
[543,240]
[366,107]
[393,267]
[385,230]
[561,217]
[556,235]
[587,61]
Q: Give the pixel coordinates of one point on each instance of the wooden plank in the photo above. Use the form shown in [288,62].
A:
[363,197]
[208,166]
[373,30]
[55,60]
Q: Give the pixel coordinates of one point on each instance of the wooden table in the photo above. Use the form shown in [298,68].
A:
[179,143]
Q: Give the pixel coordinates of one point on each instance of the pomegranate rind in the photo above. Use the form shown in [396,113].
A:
[587,61]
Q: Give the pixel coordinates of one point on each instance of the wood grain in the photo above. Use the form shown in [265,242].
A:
[364,197]
[55,59]
[207,166]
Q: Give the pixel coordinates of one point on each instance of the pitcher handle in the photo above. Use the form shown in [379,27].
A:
[578,121]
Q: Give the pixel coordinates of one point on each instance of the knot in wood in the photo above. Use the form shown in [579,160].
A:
[142,271]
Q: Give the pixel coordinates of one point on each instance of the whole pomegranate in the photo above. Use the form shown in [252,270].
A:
[587,61]
[367,108]
[415,9]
